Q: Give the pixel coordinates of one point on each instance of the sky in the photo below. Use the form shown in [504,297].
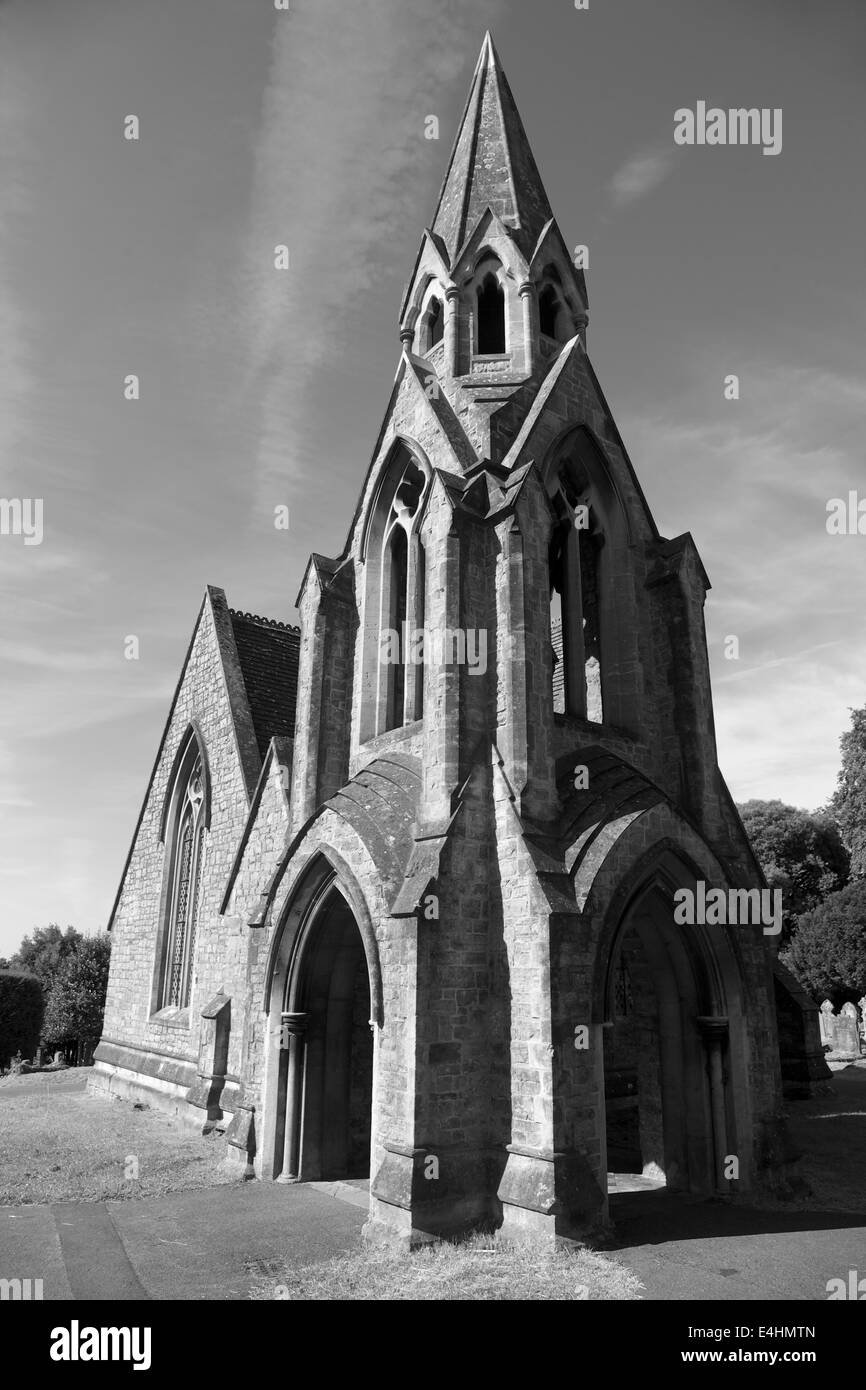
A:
[262,388]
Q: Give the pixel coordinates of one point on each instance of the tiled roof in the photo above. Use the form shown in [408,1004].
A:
[268,652]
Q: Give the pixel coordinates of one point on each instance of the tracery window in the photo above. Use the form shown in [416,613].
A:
[185,868]
[401,645]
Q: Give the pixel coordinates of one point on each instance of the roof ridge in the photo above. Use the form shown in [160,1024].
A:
[264,622]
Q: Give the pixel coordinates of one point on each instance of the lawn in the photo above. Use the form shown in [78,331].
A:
[830,1132]
[62,1147]
[482,1268]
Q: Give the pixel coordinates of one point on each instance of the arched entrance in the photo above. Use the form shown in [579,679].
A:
[672,1030]
[326,1049]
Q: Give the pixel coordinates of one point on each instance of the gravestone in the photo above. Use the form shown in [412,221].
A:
[827,1022]
[847,1032]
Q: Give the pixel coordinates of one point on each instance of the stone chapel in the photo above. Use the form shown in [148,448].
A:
[393,914]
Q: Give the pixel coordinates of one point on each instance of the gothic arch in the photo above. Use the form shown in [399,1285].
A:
[594,621]
[579,449]
[555,309]
[326,869]
[192,734]
[183,831]
[403,450]
[697,1101]
[313,1106]
[394,594]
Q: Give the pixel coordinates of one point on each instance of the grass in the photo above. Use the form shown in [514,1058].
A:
[830,1131]
[57,1147]
[483,1267]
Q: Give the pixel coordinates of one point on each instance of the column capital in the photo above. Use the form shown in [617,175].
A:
[713,1029]
[294,1023]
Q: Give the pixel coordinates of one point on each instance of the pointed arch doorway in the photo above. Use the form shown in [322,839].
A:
[325,1085]
[674,1063]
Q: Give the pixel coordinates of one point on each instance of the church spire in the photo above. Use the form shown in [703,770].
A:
[491,165]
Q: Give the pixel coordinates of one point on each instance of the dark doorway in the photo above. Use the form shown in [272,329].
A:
[668,1095]
[338,1048]
[632,1084]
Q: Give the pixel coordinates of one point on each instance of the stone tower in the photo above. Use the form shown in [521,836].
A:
[449,911]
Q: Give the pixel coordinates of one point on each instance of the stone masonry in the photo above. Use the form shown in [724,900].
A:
[482,861]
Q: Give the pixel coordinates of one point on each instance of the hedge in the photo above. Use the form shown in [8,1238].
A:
[22,1004]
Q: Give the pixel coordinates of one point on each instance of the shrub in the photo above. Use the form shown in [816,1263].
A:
[21,1009]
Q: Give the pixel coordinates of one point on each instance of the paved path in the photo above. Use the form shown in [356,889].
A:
[193,1245]
[196,1245]
[681,1248]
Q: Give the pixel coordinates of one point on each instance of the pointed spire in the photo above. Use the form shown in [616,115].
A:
[491,165]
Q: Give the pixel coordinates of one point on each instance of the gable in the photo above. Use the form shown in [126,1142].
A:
[211,697]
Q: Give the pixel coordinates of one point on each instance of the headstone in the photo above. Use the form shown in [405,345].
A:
[826,1020]
[847,1032]
[58,1059]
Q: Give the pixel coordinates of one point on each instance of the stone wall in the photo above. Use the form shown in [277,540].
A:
[139,1040]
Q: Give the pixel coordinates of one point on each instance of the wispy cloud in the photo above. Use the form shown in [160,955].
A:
[337,179]
[753,486]
[17,159]
[640,175]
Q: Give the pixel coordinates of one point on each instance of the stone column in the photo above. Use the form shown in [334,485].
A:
[524,731]
[413,680]
[528,301]
[571,603]
[452,330]
[294,1027]
[714,1032]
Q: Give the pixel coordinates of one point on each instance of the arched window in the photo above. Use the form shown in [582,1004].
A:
[185,835]
[434,324]
[491,317]
[549,311]
[575,632]
[398,581]
[400,652]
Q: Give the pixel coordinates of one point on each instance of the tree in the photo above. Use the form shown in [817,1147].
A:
[800,852]
[42,953]
[76,999]
[849,801]
[828,950]
[21,1008]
